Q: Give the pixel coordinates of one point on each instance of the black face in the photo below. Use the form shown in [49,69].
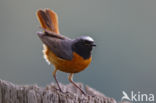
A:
[83,46]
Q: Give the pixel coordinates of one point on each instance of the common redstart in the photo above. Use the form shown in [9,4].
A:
[67,55]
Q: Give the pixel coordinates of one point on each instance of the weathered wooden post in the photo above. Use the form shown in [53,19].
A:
[11,93]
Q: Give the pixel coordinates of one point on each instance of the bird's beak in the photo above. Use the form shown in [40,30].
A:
[93,44]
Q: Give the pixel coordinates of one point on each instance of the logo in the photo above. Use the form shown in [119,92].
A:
[137,97]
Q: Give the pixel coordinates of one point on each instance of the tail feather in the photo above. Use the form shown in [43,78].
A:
[48,20]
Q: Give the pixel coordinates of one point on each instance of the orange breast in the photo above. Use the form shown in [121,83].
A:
[75,65]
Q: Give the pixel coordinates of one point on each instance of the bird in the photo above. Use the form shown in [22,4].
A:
[65,54]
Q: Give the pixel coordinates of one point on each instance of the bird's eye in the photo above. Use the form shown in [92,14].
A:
[87,43]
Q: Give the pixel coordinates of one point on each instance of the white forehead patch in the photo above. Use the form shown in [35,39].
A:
[88,38]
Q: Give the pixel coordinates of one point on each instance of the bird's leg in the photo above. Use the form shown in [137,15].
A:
[70,78]
[54,75]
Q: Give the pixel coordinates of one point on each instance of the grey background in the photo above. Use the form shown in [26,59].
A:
[124,31]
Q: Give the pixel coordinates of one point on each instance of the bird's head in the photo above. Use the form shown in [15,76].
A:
[83,46]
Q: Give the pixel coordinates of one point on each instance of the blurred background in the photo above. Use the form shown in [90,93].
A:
[124,31]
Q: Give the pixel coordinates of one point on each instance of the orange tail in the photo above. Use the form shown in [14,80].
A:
[48,20]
